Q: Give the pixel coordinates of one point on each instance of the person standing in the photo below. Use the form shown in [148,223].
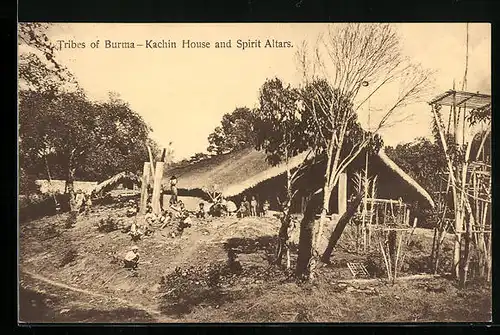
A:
[244,207]
[253,206]
[79,200]
[173,189]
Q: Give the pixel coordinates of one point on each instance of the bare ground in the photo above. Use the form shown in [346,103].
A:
[70,275]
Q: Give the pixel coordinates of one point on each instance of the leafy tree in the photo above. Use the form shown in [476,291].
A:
[38,67]
[47,124]
[61,133]
[280,132]
[87,141]
[123,137]
[338,139]
[235,132]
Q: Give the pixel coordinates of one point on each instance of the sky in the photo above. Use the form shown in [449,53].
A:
[183,92]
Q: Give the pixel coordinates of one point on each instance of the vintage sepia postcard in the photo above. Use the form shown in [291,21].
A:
[254,173]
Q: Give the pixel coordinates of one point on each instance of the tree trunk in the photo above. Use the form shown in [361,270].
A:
[283,238]
[339,228]
[306,238]
[70,190]
[286,220]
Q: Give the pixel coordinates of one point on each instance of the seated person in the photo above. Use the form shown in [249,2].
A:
[135,232]
[150,216]
[265,208]
[231,207]
[201,214]
[131,259]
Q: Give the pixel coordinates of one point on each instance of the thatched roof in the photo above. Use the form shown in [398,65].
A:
[393,166]
[221,171]
[115,180]
[59,186]
[270,172]
[234,173]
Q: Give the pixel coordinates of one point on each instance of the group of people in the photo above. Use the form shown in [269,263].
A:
[252,208]
[223,207]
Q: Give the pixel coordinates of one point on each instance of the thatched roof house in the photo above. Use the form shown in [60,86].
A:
[113,182]
[248,172]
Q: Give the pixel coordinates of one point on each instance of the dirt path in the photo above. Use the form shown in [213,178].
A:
[154,313]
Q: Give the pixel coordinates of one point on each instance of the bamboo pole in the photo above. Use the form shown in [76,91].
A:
[451,174]
[489,260]
[390,262]
[434,244]
[387,266]
[408,240]
[397,257]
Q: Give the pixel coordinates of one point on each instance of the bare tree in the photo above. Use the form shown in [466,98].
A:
[348,58]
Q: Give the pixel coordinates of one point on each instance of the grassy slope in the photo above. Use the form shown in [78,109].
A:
[257,294]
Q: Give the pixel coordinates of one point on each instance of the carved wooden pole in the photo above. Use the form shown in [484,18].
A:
[151,161]
[157,189]
[144,187]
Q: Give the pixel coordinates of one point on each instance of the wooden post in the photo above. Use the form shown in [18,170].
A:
[144,187]
[342,193]
[155,201]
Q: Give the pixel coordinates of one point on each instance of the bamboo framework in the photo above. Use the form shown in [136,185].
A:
[464,197]
[379,215]
[384,225]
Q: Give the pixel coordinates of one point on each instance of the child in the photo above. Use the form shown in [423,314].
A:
[150,216]
[244,207]
[173,189]
[253,207]
[265,208]
[133,209]
[185,220]
[79,200]
[201,214]
[88,204]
